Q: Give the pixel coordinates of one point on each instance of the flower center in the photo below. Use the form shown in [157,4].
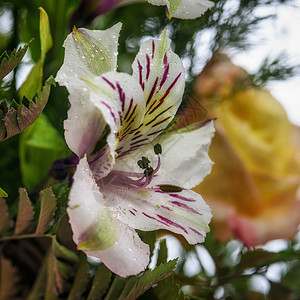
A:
[136,181]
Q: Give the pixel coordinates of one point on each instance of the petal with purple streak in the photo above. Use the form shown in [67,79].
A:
[184,9]
[180,163]
[186,214]
[162,86]
[98,233]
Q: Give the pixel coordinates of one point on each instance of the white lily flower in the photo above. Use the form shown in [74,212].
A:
[181,9]
[123,184]
[184,9]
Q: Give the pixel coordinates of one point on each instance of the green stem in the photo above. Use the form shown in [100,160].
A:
[24,236]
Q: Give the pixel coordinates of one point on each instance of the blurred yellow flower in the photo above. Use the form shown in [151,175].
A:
[253,188]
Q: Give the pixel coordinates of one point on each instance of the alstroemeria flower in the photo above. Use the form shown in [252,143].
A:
[129,177]
[182,9]
[257,163]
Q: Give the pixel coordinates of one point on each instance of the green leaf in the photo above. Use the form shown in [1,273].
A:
[291,279]
[61,191]
[54,281]
[100,283]
[256,258]
[9,62]
[39,287]
[33,83]
[16,120]
[48,207]
[45,33]
[5,223]
[63,266]
[162,253]
[64,254]
[132,287]
[8,279]
[82,280]
[3,193]
[169,289]
[25,212]
[116,288]
[39,146]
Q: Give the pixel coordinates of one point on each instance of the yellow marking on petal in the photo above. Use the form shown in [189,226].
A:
[92,52]
[174,4]
[101,235]
[143,192]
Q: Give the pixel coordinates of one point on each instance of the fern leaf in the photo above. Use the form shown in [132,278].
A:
[16,120]
[25,212]
[5,223]
[8,279]
[48,207]
[9,62]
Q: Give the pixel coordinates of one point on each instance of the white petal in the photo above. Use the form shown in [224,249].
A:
[183,212]
[97,232]
[84,125]
[120,99]
[88,53]
[184,159]
[128,256]
[160,73]
[184,9]
[191,9]
[185,155]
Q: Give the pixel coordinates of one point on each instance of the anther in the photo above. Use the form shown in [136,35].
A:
[157,149]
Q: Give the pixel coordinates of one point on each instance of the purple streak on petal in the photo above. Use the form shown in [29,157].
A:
[158,115]
[129,108]
[148,66]
[184,206]
[160,122]
[110,83]
[152,218]
[141,74]
[167,10]
[152,91]
[111,112]
[182,198]
[155,132]
[128,127]
[165,59]
[170,87]
[167,208]
[165,76]
[132,212]
[132,113]
[136,142]
[99,155]
[196,231]
[153,48]
[121,95]
[136,137]
[172,223]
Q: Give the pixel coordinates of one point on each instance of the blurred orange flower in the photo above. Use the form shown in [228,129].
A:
[253,188]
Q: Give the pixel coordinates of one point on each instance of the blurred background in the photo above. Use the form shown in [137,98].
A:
[242,64]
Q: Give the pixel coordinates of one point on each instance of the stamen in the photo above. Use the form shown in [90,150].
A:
[157,149]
